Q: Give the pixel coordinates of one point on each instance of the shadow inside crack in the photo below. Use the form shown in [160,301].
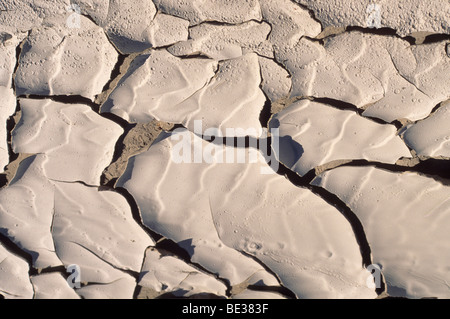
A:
[381,31]
[290,151]
[435,167]
[3,180]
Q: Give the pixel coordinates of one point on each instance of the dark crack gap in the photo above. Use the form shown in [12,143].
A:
[120,69]
[274,59]
[433,111]
[10,125]
[119,121]
[196,55]
[254,258]
[72,182]
[170,247]
[437,169]
[18,53]
[223,24]
[136,289]
[321,41]
[266,112]
[66,99]
[162,242]
[438,37]
[336,202]
[246,142]
[330,198]
[381,31]
[10,122]
[345,106]
[237,142]
[87,16]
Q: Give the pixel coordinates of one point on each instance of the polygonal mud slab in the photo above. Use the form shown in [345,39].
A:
[26,212]
[81,149]
[229,207]
[383,75]
[431,137]
[314,134]
[223,42]
[59,60]
[166,29]
[169,89]
[197,11]
[405,218]
[196,234]
[49,220]
[404,16]
[52,286]
[7,108]
[289,22]
[8,45]
[425,67]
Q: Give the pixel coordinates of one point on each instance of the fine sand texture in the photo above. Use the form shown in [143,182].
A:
[224,149]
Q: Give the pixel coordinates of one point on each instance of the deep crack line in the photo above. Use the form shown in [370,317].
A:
[334,201]
[66,99]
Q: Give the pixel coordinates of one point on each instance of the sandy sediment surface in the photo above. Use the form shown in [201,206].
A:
[258,149]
